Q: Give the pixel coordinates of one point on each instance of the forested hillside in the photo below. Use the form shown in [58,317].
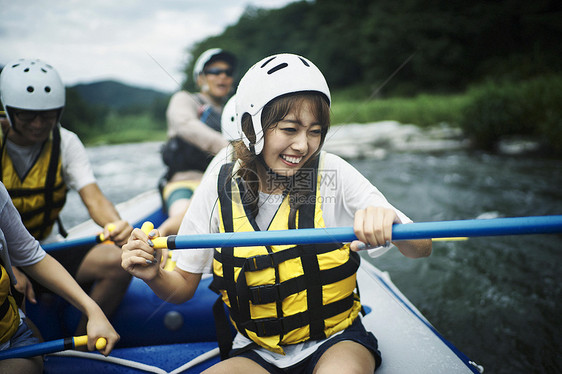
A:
[117,95]
[444,45]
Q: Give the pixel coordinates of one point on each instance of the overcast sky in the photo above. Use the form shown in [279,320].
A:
[94,40]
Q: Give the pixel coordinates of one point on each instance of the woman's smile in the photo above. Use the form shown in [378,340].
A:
[291,160]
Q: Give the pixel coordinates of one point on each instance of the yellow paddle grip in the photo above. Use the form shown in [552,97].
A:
[80,341]
[147,227]
[160,242]
[101,343]
[110,228]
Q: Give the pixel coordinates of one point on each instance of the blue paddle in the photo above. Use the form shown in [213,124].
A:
[420,230]
[50,347]
[73,243]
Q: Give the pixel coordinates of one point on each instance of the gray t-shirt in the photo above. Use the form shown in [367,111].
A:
[23,157]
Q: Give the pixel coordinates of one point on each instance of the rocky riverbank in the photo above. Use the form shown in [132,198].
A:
[376,139]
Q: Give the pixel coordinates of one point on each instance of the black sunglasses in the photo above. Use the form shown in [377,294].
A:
[30,115]
[216,71]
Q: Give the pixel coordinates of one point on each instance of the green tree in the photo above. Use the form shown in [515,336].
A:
[80,117]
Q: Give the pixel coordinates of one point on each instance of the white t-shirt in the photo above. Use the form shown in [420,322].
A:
[224,156]
[76,167]
[343,189]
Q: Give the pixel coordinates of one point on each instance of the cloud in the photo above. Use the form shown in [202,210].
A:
[121,40]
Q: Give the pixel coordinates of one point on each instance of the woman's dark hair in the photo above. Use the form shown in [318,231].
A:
[272,114]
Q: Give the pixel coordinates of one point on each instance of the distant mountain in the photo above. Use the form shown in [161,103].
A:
[117,95]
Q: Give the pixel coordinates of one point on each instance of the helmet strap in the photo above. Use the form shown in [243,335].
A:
[12,120]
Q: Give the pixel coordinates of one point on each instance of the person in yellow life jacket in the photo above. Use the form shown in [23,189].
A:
[295,307]
[39,161]
[194,132]
[19,248]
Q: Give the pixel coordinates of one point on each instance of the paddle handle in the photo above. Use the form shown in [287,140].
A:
[147,227]
[100,238]
[50,347]
[81,341]
[421,230]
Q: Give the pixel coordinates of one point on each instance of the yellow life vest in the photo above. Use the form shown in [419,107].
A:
[9,314]
[40,195]
[281,295]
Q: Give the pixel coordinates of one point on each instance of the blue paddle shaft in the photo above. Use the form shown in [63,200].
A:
[73,243]
[421,230]
[38,349]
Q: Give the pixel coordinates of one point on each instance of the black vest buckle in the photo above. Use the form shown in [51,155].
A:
[259,262]
[265,294]
[268,327]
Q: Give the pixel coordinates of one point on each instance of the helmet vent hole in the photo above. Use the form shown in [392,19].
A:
[278,67]
[304,62]
[267,62]
[43,70]
[30,89]
[26,70]
[47,89]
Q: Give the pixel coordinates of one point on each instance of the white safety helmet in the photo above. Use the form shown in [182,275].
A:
[213,54]
[31,85]
[270,78]
[229,127]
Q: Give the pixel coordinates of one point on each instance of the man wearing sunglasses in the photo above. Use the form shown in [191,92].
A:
[39,161]
[194,132]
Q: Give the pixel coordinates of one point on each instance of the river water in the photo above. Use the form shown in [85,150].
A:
[497,299]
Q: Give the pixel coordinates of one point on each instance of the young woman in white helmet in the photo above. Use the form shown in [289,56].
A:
[194,132]
[296,308]
[39,161]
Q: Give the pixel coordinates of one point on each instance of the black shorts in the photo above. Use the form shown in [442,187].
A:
[356,333]
[70,259]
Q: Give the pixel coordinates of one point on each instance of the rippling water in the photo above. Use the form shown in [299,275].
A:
[497,299]
[123,171]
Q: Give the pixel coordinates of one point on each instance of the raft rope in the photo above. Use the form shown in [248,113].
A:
[139,365]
